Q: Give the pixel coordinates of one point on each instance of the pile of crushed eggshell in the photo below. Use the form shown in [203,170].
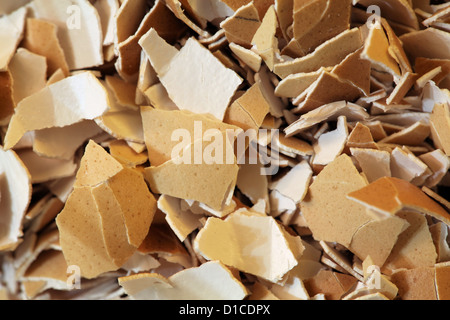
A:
[350,102]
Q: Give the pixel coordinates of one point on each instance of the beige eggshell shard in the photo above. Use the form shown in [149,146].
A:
[264,41]
[389,195]
[292,145]
[429,43]
[248,252]
[384,289]
[415,284]
[41,37]
[327,112]
[264,79]
[376,50]
[123,92]
[439,233]
[252,106]
[325,216]
[361,137]
[374,163]
[381,106]
[327,89]
[328,54]
[295,183]
[406,166]
[12,28]
[29,72]
[439,163]
[147,77]
[179,12]
[113,227]
[162,241]
[291,289]
[396,49]
[293,85]
[79,31]
[96,166]
[79,97]
[414,247]
[432,194]
[427,77]
[138,214]
[425,65]
[127,19]
[331,144]
[261,292]
[386,232]
[192,181]
[355,70]
[163,130]
[440,13]
[7,104]
[158,97]
[406,82]
[376,129]
[158,51]
[205,94]
[131,131]
[62,143]
[319,21]
[210,11]
[250,58]
[43,169]
[107,10]
[410,136]
[373,297]
[432,95]
[129,51]
[79,230]
[8,6]
[403,119]
[440,126]
[242,25]
[182,222]
[340,259]
[58,75]
[399,11]
[16,190]
[252,183]
[332,284]
[51,267]
[238,116]
[442,273]
[285,13]
[125,124]
[49,212]
[210,281]
[126,155]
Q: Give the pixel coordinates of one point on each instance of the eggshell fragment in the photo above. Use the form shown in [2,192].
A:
[272,267]
[41,37]
[88,100]
[389,195]
[12,27]
[192,284]
[16,190]
[79,32]
[113,225]
[328,223]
